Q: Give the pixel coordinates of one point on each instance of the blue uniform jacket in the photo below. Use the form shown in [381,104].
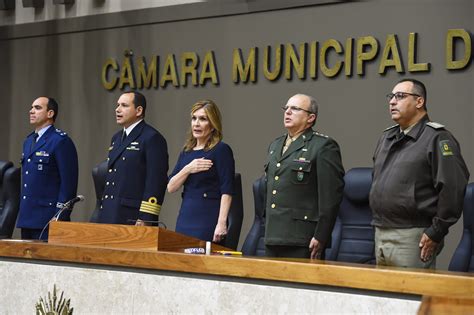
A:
[136,178]
[49,178]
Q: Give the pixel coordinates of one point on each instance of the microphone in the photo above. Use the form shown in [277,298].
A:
[71,202]
[66,206]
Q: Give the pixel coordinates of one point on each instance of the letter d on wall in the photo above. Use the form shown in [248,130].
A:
[455,36]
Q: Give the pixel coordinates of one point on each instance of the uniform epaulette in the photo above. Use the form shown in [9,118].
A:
[320,134]
[391,127]
[435,125]
[60,132]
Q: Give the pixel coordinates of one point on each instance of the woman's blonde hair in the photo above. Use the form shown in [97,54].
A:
[214,117]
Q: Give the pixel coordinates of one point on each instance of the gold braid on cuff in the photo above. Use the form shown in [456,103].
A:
[151,206]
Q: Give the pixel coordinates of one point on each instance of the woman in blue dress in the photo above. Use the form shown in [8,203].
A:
[206,169]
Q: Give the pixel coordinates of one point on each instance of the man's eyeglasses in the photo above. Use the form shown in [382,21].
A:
[400,95]
[295,109]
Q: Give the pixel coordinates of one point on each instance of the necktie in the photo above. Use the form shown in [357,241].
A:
[124,135]
[288,142]
[35,137]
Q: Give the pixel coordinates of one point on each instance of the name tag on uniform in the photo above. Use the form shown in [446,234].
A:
[133,148]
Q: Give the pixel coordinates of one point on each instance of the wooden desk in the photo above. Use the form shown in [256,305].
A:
[446,305]
[305,271]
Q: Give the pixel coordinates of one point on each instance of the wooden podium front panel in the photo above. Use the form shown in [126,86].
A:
[103,235]
[122,236]
[175,242]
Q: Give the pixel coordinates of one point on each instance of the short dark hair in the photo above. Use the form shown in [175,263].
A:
[53,105]
[418,88]
[138,100]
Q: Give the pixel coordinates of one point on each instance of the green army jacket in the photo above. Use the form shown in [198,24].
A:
[419,179]
[304,189]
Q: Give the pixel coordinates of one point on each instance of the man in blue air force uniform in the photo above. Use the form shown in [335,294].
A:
[49,170]
[137,167]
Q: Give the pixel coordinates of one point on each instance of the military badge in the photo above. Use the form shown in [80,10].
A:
[42,153]
[445,147]
[302,165]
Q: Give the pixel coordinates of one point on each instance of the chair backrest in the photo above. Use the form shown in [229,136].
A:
[236,215]
[353,234]
[99,173]
[254,244]
[4,165]
[10,181]
[463,257]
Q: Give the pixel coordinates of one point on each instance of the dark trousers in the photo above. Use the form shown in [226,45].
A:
[34,234]
[287,251]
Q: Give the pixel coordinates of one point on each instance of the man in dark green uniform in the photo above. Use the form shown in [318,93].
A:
[304,176]
[418,184]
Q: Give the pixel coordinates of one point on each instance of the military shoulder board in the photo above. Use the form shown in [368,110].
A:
[60,132]
[320,134]
[435,125]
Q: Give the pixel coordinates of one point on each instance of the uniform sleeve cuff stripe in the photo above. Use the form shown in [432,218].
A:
[152,208]
[150,211]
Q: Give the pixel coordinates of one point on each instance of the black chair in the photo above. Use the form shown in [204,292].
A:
[99,172]
[4,166]
[463,257]
[254,244]
[236,215]
[353,235]
[10,181]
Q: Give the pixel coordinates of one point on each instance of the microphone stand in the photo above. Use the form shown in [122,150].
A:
[55,217]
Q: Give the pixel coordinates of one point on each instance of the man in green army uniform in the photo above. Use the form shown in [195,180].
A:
[304,177]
